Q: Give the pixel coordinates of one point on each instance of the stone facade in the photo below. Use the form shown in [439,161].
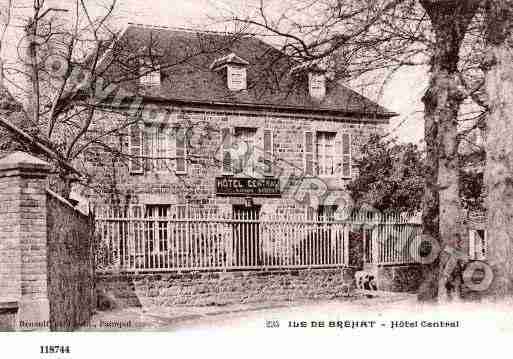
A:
[204,160]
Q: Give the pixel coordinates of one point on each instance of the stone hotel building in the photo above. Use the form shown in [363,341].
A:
[231,123]
[230,129]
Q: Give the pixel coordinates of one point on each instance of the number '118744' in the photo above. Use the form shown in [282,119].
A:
[54,349]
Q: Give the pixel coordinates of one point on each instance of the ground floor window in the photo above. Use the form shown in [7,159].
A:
[157,227]
[322,213]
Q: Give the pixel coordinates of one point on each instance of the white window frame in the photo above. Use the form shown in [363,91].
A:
[320,157]
[249,166]
[236,77]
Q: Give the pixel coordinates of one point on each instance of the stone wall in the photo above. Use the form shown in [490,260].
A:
[400,278]
[203,288]
[8,312]
[70,265]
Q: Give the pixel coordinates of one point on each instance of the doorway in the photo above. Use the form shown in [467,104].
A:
[246,236]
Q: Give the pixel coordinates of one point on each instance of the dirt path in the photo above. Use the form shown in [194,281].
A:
[247,315]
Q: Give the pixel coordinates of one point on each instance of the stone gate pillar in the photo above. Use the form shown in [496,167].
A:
[23,239]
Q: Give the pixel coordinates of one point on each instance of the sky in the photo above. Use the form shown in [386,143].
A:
[401,94]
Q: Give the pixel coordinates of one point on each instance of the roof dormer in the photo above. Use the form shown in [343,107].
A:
[316,79]
[234,68]
[317,84]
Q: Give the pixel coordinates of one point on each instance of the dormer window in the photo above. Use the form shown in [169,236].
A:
[236,77]
[316,79]
[233,68]
[149,75]
[317,84]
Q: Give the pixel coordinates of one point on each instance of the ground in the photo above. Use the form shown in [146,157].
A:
[248,315]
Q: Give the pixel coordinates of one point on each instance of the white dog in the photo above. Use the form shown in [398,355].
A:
[365,280]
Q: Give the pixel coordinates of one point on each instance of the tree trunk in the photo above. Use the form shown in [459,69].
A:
[442,206]
[32,71]
[428,290]
[450,228]
[499,146]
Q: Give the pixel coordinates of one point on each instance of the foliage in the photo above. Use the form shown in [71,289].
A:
[471,190]
[391,176]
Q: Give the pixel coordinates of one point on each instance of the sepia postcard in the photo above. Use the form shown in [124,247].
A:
[207,175]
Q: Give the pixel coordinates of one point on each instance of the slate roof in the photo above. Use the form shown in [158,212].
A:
[186,56]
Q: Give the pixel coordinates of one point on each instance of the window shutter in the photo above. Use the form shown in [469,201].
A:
[485,244]
[472,243]
[309,153]
[268,151]
[346,155]
[147,147]
[227,144]
[180,150]
[136,146]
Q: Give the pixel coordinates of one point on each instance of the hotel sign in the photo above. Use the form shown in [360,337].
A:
[229,186]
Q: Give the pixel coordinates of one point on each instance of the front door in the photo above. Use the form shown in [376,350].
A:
[246,241]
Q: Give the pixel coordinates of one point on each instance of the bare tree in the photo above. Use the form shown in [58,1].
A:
[80,81]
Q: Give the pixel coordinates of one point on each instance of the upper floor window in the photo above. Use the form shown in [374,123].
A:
[158,147]
[247,150]
[327,154]
[325,148]
[243,157]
